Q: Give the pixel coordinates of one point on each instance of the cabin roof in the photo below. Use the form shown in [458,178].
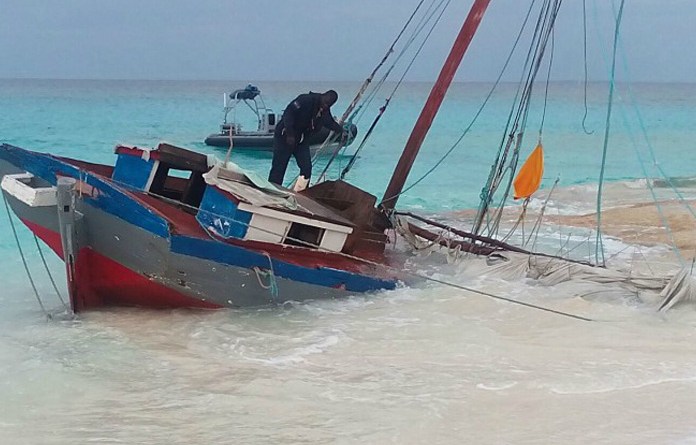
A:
[242,189]
[177,157]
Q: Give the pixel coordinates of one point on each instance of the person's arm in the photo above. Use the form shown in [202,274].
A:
[329,122]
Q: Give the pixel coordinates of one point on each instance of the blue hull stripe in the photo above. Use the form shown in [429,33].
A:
[240,257]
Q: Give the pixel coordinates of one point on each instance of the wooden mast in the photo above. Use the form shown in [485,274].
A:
[432,105]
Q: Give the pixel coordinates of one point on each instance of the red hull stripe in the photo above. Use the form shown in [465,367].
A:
[104,282]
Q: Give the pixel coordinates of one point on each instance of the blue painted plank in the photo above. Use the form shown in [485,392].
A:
[132,170]
[222,214]
[237,256]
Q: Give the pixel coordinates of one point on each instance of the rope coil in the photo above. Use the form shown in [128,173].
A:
[272,282]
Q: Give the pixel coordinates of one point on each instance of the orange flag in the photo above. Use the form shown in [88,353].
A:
[529,177]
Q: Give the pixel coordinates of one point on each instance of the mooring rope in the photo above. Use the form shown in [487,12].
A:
[509,300]
[24,261]
[48,271]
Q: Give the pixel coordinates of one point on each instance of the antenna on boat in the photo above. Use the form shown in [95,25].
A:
[432,105]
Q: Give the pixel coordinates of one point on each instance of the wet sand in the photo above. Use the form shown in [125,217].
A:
[630,213]
[644,224]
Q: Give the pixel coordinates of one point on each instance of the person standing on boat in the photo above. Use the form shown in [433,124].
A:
[305,115]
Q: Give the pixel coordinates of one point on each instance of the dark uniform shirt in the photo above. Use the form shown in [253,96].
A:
[304,116]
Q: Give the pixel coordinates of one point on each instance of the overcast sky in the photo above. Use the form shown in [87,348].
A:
[260,40]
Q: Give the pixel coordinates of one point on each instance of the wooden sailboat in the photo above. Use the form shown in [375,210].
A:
[134,234]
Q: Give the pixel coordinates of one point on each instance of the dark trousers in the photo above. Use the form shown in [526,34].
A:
[281,156]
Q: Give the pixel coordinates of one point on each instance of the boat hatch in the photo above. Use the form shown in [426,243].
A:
[168,171]
[29,189]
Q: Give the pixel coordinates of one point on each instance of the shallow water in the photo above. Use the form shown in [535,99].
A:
[408,366]
[428,363]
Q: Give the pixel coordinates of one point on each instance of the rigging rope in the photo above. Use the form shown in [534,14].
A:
[649,184]
[331,137]
[497,169]
[514,132]
[546,90]
[584,41]
[651,152]
[523,113]
[512,167]
[351,111]
[400,81]
[599,247]
[661,215]
[478,112]
[655,163]
[420,26]
[353,158]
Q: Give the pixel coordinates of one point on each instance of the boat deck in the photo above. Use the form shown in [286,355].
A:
[182,221]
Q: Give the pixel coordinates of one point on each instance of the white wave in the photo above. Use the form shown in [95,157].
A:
[496,386]
[298,355]
[600,388]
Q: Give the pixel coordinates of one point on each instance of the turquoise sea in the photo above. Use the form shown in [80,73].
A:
[407,366]
[87,119]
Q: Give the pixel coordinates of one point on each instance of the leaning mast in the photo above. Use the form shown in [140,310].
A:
[432,105]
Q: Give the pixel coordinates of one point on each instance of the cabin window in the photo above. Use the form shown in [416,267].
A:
[181,185]
[303,235]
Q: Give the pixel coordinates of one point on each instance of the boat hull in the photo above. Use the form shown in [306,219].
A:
[130,255]
[263,142]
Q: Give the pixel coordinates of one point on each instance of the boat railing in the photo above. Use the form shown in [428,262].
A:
[251,97]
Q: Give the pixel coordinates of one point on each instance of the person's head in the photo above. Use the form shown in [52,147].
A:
[328,99]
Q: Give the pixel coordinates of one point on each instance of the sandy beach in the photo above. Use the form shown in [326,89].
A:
[629,213]
[646,224]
